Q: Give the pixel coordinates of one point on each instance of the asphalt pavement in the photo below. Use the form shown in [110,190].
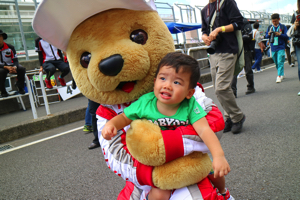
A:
[264,158]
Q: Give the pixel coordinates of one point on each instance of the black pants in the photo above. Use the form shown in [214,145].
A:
[291,59]
[248,71]
[20,78]
[93,106]
[50,67]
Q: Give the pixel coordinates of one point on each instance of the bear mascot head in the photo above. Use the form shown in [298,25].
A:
[113,48]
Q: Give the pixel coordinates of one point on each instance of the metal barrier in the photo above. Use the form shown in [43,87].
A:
[196,49]
[33,109]
[19,97]
[44,94]
[179,50]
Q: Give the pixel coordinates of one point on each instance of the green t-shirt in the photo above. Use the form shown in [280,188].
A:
[145,107]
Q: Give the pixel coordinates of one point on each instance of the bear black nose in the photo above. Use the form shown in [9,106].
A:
[112,65]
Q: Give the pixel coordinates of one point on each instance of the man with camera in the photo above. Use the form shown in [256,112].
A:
[277,38]
[228,20]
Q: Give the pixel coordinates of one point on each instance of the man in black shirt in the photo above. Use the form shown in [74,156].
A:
[223,61]
[9,64]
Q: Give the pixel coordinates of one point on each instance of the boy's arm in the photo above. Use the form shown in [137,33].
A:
[220,164]
[284,34]
[111,127]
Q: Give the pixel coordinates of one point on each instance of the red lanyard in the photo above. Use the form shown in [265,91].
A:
[217,5]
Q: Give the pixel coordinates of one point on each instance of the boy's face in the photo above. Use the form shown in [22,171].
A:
[275,22]
[171,87]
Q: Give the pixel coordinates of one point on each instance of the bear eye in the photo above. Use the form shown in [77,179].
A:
[139,36]
[85,59]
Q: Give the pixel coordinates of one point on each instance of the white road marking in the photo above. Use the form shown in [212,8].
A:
[41,140]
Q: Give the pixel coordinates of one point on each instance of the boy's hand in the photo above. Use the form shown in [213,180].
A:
[109,131]
[277,33]
[220,166]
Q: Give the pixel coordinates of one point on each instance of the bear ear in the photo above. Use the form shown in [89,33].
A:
[56,25]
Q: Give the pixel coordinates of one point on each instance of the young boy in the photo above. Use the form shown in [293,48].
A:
[278,46]
[172,98]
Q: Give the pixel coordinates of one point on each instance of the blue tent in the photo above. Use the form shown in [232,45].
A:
[182,27]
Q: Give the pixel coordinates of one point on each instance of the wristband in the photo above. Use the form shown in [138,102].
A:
[223,29]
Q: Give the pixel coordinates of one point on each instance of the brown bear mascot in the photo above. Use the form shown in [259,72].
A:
[114,48]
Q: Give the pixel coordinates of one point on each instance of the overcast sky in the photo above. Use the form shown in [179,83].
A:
[270,6]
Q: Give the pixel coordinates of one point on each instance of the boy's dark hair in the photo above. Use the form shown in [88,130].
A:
[275,16]
[256,25]
[182,61]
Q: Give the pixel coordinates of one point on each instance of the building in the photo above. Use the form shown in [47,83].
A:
[9,23]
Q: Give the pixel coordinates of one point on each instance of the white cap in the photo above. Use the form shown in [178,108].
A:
[55,20]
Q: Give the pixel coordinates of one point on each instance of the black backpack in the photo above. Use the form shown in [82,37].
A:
[249,41]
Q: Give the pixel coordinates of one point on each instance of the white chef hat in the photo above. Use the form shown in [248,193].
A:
[55,20]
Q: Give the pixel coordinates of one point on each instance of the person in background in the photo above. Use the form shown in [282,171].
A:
[278,45]
[259,48]
[294,33]
[88,121]
[9,63]
[248,47]
[223,61]
[93,106]
[297,12]
[51,58]
[290,58]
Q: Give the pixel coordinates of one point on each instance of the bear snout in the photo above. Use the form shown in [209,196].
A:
[112,65]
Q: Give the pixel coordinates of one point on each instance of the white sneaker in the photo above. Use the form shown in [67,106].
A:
[259,71]
[278,80]
[281,77]
[292,65]
[254,71]
[299,94]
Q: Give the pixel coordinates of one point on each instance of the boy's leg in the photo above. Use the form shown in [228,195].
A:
[281,60]
[158,194]
[274,57]
[218,183]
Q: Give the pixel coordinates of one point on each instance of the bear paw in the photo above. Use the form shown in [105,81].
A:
[145,143]
[182,172]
